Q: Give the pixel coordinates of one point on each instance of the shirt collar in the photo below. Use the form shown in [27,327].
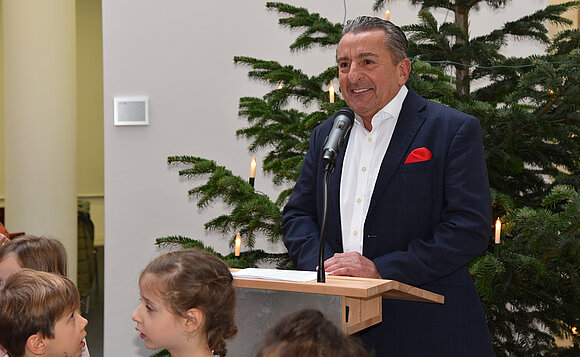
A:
[391,110]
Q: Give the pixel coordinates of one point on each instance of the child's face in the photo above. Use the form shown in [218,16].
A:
[69,333]
[159,327]
[8,266]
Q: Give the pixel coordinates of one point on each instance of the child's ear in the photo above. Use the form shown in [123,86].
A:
[193,320]
[35,344]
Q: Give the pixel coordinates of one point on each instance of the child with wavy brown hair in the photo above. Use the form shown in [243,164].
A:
[187,304]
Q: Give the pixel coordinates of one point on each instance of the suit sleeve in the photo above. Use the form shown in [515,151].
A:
[300,221]
[461,231]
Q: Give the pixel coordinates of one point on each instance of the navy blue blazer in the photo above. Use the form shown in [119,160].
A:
[426,221]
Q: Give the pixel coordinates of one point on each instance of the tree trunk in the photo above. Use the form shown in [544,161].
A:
[462,78]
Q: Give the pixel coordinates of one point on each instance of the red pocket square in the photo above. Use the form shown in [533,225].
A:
[419,154]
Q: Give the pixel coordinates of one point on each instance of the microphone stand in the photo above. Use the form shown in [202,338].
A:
[343,121]
[329,168]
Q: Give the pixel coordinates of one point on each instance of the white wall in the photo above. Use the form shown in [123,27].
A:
[180,54]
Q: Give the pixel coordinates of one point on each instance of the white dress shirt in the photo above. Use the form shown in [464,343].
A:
[362,162]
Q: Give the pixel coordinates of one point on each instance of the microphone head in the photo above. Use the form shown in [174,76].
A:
[343,121]
[346,111]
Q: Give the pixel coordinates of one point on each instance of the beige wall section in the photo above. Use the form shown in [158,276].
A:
[90,155]
[2,139]
[40,116]
[573,15]
[89,112]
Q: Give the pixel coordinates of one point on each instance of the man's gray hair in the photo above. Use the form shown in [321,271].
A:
[395,40]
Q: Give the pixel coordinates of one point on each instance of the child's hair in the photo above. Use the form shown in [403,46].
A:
[193,278]
[308,333]
[31,303]
[38,253]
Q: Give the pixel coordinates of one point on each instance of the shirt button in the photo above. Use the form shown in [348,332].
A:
[355,233]
[364,169]
[370,140]
[358,200]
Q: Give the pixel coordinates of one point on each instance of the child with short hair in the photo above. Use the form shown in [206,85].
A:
[308,333]
[39,315]
[32,252]
[187,304]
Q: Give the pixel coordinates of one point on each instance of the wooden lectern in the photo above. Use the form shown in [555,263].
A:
[351,303]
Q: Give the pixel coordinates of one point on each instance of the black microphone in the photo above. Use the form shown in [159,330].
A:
[343,121]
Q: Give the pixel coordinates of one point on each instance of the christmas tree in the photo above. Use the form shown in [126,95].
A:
[530,121]
[530,289]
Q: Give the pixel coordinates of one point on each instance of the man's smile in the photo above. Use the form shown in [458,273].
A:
[360,90]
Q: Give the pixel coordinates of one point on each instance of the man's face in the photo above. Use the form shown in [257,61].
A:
[368,77]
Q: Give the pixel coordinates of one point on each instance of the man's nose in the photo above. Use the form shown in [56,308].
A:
[354,74]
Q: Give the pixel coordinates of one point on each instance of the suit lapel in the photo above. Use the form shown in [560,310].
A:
[410,120]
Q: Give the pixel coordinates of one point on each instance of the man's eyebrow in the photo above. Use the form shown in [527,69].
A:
[360,55]
[367,54]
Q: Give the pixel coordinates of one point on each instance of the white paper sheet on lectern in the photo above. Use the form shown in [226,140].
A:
[276,274]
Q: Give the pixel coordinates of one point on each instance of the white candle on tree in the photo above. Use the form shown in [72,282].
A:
[238,245]
[497,231]
[331,92]
[252,171]
[253,168]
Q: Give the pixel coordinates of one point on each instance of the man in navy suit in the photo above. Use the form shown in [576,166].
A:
[409,201]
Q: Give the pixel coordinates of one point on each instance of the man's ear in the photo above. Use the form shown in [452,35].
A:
[36,344]
[404,70]
[193,320]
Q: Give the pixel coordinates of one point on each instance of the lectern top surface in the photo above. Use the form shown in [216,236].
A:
[344,286]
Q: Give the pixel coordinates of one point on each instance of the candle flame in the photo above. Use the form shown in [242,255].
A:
[331,92]
[574,330]
[253,167]
[550,92]
[497,231]
[238,244]
[281,85]
[388,14]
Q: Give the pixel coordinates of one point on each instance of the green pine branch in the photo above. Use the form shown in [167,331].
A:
[162,353]
[247,259]
[532,26]
[185,243]
[316,29]
[252,212]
